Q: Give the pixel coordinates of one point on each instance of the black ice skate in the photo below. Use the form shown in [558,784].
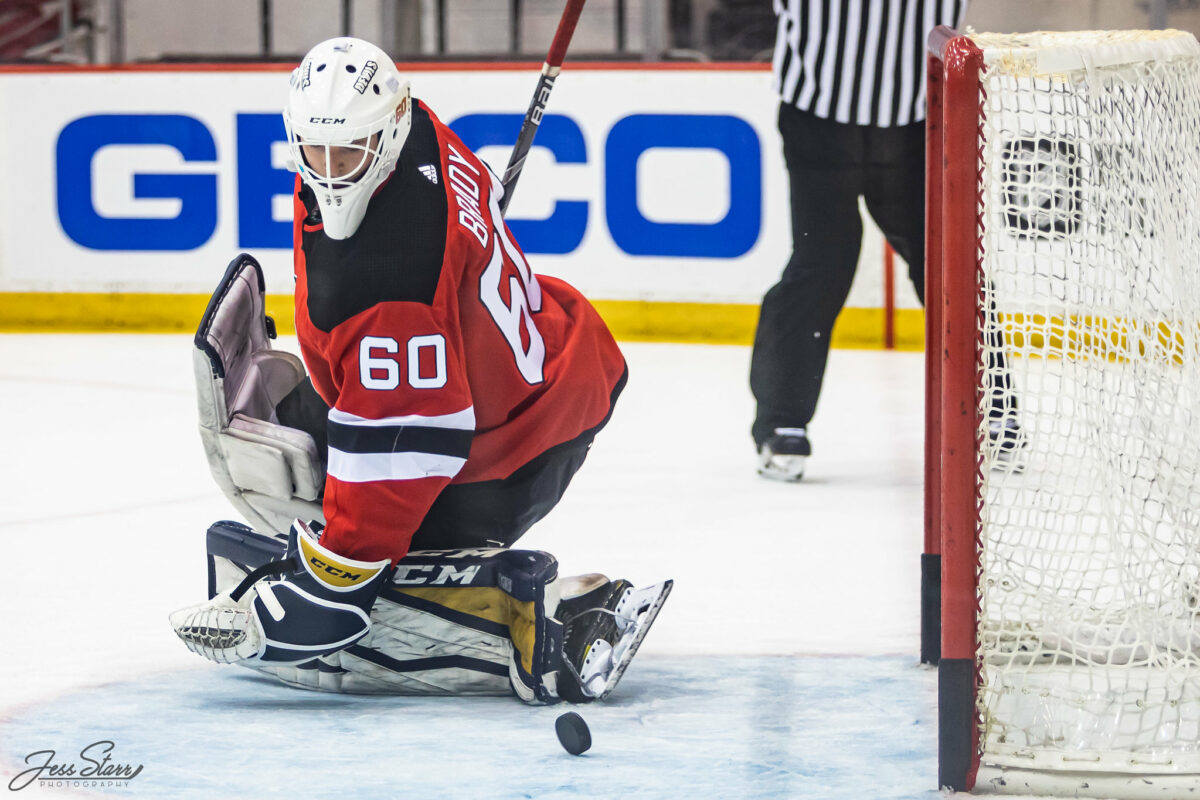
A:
[1005,442]
[604,623]
[781,457]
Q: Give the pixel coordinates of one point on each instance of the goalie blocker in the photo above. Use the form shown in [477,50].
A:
[461,622]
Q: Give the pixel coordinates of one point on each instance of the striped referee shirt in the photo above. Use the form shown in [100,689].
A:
[858,62]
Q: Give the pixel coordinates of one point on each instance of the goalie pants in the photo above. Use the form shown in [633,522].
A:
[482,514]
[830,165]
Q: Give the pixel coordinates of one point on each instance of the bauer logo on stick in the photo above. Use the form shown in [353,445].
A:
[542,97]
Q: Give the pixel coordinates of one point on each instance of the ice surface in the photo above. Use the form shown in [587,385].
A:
[678,727]
[784,664]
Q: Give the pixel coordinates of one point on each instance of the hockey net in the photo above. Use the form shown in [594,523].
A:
[1065,227]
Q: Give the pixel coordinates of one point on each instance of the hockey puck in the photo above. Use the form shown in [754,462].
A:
[573,733]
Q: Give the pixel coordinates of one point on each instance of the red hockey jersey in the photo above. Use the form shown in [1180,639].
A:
[442,356]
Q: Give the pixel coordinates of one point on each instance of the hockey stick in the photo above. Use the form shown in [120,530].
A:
[537,106]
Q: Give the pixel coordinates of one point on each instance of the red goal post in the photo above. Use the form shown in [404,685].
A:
[952,409]
[1061,573]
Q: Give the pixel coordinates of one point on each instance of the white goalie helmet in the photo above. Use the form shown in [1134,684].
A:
[347,117]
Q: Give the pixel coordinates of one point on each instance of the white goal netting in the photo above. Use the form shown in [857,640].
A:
[1090,563]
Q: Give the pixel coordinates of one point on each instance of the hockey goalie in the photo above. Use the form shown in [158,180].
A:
[450,396]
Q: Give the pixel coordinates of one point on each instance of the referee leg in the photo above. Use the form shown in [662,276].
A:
[895,193]
[895,198]
[791,344]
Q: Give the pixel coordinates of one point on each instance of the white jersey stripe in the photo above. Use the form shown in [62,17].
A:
[406,466]
[461,420]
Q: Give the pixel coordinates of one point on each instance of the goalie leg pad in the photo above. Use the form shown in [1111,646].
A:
[451,622]
[514,591]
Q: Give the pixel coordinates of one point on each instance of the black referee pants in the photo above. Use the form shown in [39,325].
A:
[830,165]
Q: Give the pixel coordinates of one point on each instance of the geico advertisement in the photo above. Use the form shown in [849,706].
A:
[642,184]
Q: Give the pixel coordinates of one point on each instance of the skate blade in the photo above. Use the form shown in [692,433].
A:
[1008,460]
[643,623]
[1014,467]
[782,468]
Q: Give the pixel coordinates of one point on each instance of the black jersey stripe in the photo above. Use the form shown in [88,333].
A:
[399,439]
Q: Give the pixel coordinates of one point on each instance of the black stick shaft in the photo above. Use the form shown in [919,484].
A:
[533,118]
[541,95]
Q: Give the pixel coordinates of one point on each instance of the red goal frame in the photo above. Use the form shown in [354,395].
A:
[953,446]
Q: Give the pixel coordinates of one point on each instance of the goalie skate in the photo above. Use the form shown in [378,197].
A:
[603,630]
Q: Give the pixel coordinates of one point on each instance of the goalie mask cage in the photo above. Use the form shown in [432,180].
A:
[1063,310]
